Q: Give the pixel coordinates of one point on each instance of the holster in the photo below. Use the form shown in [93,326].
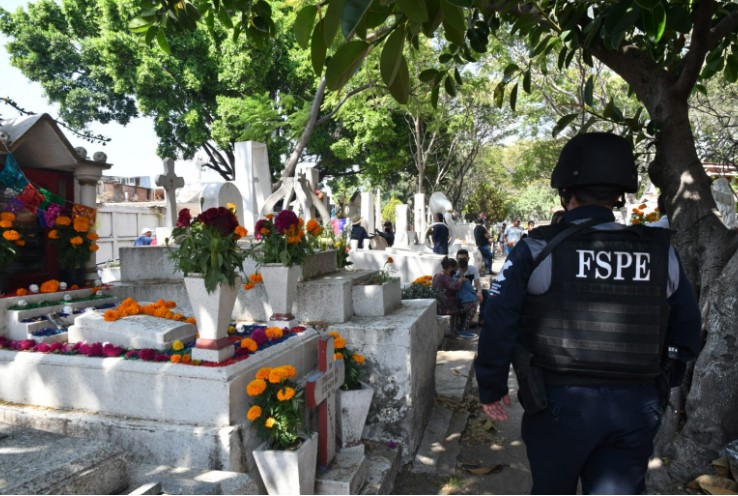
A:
[672,375]
[531,388]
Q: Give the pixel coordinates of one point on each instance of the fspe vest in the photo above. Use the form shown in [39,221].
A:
[605,313]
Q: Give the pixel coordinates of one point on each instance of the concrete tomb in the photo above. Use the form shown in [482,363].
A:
[216,195]
[252,178]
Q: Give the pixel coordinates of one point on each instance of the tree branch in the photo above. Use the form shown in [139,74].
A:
[338,106]
[698,47]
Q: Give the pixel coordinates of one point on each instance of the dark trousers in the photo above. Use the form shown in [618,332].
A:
[601,434]
[487,257]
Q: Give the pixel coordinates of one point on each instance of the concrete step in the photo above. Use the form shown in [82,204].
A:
[346,474]
[454,373]
[329,298]
[383,465]
[38,462]
[180,480]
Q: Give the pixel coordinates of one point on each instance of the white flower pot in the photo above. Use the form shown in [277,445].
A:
[289,472]
[213,313]
[353,408]
[280,283]
[376,300]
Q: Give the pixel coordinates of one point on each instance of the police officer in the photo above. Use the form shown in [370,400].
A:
[604,314]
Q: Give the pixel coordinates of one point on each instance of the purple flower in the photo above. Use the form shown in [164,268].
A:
[220,219]
[259,336]
[184,218]
[91,350]
[391,444]
[147,354]
[284,220]
[4,342]
[261,224]
[160,357]
[110,350]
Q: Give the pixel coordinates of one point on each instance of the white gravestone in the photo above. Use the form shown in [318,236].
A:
[252,178]
[378,225]
[135,331]
[420,222]
[220,195]
[170,182]
[367,212]
[725,200]
[401,236]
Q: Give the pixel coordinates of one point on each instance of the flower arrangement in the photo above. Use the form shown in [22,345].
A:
[207,246]
[161,309]
[335,240]
[10,241]
[285,239]
[277,409]
[252,280]
[421,289]
[387,270]
[73,240]
[352,362]
[639,215]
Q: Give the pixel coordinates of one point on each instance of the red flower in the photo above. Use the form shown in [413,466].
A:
[111,350]
[219,218]
[147,354]
[259,335]
[285,220]
[184,218]
[42,348]
[24,344]
[261,224]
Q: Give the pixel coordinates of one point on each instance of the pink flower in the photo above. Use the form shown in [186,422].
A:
[284,220]
[42,347]
[56,347]
[110,350]
[147,354]
[4,342]
[91,350]
[24,344]
[259,336]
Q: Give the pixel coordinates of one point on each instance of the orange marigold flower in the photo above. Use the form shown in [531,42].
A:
[178,316]
[20,242]
[175,358]
[160,312]
[249,286]
[191,320]
[254,413]
[269,216]
[81,224]
[277,375]
[76,241]
[21,291]
[50,286]
[263,373]
[390,260]
[338,356]
[94,247]
[256,278]
[241,231]
[111,315]
[11,235]
[8,216]
[5,224]
[170,304]
[312,225]
[340,343]
[63,220]
[290,370]
[74,286]
[270,422]
[358,358]
[186,358]
[285,394]
[642,206]
[256,387]
[274,332]
[93,236]
[636,221]
[264,231]
[335,334]
[250,345]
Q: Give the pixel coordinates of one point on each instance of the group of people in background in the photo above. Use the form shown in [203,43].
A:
[460,287]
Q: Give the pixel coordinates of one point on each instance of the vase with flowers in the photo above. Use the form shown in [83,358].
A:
[287,459]
[211,262]
[354,396]
[9,243]
[283,243]
[74,243]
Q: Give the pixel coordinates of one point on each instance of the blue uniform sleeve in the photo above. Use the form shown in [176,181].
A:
[684,320]
[502,324]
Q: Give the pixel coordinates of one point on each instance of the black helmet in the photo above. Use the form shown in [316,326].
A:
[596,159]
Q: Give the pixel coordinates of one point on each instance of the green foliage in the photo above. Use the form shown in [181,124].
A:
[389,209]
[353,362]
[486,199]
[73,240]
[535,201]
[278,406]
[207,246]
[329,240]
[421,289]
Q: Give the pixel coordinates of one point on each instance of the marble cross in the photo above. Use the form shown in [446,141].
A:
[170,182]
[320,392]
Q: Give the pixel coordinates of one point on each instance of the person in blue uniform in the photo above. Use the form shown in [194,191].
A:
[439,234]
[598,320]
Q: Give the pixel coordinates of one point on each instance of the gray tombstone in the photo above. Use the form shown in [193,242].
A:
[215,195]
[725,200]
[170,182]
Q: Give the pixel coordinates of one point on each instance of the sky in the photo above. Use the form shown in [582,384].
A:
[132,149]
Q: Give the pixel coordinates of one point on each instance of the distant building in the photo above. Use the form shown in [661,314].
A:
[115,189]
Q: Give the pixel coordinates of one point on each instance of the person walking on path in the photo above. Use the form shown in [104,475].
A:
[513,234]
[439,234]
[483,241]
[591,410]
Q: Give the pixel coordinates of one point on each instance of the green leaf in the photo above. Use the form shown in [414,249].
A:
[509,72]
[415,10]
[654,21]
[400,87]
[434,95]
[731,68]
[449,86]
[453,22]
[526,81]
[464,4]
[161,38]
[344,63]
[589,91]
[318,49]
[513,97]
[392,55]
[428,75]
[224,18]
[353,14]
[152,33]
[332,20]
[457,77]
[499,94]
[304,23]
[648,4]
[435,17]
[445,58]
[562,123]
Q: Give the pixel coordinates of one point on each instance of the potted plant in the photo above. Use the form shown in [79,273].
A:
[283,243]
[209,258]
[74,242]
[287,459]
[9,243]
[354,396]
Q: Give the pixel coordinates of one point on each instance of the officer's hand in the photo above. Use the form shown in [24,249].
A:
[495,410]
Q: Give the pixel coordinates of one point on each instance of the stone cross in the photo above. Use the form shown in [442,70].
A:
[320,392]
[170,182]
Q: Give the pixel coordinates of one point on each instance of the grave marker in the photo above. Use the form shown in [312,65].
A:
[170,182]
[725,201]
[216,195]
[320,392]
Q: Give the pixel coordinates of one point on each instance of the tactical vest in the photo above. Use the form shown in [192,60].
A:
[605,313]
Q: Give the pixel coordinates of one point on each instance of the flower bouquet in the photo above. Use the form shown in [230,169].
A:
[207,245]
[11,239]
[285,239]
[73,240]
[352,362]
[277,410]
[639,215]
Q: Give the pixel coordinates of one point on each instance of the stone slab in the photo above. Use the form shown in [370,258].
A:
[346,474]
[383,465]
[181,480]
[150,488]
[376,300]
[135,331]
[328,298]
[36,462]
[453,373]
[449,457]
[147,263]
[432,446]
